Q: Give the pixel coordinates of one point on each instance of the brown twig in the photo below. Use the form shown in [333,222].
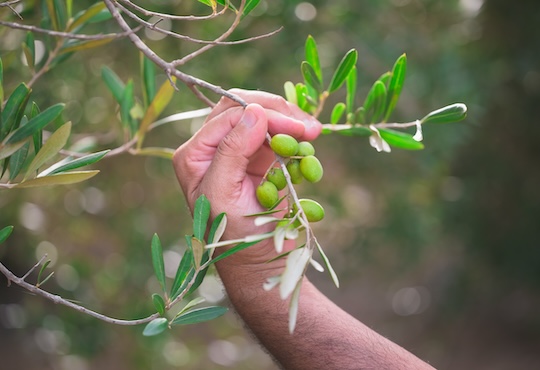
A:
[149,13]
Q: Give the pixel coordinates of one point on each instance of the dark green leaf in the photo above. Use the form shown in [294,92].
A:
[199,315]
[43,267]
[250,5]
[352,131]
[61,14]
[35,124]
[351,89]
[200,276]
[400,139]
[344,68]
[14,110]
[149,80]
[181,278]
[5,233]
[155,327]
[157,261]
[75,163]
[312,56]
[29,49]
[311,79]
[233,250]
[16,161]
[201,214]
[375,103]
[85,16]
[51,12]
[395,85]
[1,89]
[159,303]
[451,113]
[337,113]
[114,83]
[37,138]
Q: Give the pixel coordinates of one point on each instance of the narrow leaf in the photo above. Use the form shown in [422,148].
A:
[233,250]
[400,139]
[53,145]
[166,153]
[311,78]
[290,92]
[14,109]
[85,16]
[201,214]
[199,315]
[250,5]
[58,179]
[159,303]
[352,78]
[293,307]
[114,83]
[451,113]
[7,150]
[37,138]
[349,131]
[74,164]
[396,84]
[312,56]
[17,160]
[29,50]
[337,113]
[85,45]
[158,104]
[343,70]
[194,302]
[294,270]
[184,269]
[385,78]
[5,233]
[126,104]
[52,14]
[218,228]
[35,124]
[155,327]
[301,92]
[157,261]
[375,103]
[148,71]
[42,269]
[197,247]
[1,89]
[328,266]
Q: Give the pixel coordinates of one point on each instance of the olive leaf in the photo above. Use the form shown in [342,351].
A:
[343,70]
[155,327]
[157,261]
[451,113]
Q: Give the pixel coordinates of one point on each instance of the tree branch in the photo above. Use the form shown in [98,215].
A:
[149,13]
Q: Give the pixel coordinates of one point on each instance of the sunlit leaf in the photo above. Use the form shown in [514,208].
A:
[85,45]
[199,315]
[74,163]
[35,124]
[69,8]
[385,78]
[311,79]
[351,81]
[375,103]
[312,57]
[159,303]
[350,131]
[157,261]
[5,233]
[451,113]
[114,83]
[337,113]
[155,327]
[85,16]
[343,70]
[181,278]
[395,85]
[201,214]
[7,150]
[148,72]
[301,93]
[166,153]
[290,92]
[13,110]
[58,179]
[328,266]
[294,270]
[218,228]
[51,147]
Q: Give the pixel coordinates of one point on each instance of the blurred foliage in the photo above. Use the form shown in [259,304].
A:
[436,249]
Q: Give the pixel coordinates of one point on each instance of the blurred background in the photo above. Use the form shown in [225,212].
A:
[439,250]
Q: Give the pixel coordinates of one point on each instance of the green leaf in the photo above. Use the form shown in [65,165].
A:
[35,124]
[157,261]
[199,315]
[84,45]
[73,164]
[159,303]
[5,233]
[233,250]
[61,14]
[155,327]
[351,81]
[85,16]
[201,214]
[375,103]
[184,273]
[385,78]
[312,57]
[158,104]
[52,14]
[290,92]
[451,113]
[37,138]
[218,228]
[114,83]
[29,50]
[1,89]
[17,160]
[201,274]
[58,179]
[328,266]
[250,5]
[337,113]
[344,68]
[50,148]
[351,131]
[400,139]
[194,302]
[395,85]
[148,72]
[166,153]
[127,103]
[301,93]
[14,109]
[311,78]
[69,8]
[7,150]
[40,273]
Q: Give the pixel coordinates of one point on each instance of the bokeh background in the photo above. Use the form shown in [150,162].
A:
[438,250]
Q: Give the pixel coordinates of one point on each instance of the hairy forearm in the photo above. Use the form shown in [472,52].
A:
[326,337]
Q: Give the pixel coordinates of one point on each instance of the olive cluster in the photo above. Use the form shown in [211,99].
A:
[301,164]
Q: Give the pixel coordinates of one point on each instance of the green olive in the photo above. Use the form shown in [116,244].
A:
[305,148]
[276,177]
[314,211]
[267,194]
[311,168]
[294,170]
[284,145]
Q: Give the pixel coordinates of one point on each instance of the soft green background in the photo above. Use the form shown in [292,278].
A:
[438,250]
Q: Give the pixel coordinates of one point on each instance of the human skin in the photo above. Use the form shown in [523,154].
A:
[225,160]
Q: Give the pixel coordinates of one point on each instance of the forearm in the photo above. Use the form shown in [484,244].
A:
[326,337]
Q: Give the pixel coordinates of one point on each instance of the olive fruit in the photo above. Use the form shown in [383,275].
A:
[314,211]
[294,171]
[267,194]
[305,148]
[276,177]
[284,145]
[311,168]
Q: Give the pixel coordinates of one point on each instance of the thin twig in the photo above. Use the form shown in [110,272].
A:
[10,4]
[346,126]
[149,13]
[34,267]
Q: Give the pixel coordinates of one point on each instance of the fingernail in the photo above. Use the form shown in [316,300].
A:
[309,122]
[248,118]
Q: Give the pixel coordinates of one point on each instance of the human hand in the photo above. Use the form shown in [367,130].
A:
[226,159]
